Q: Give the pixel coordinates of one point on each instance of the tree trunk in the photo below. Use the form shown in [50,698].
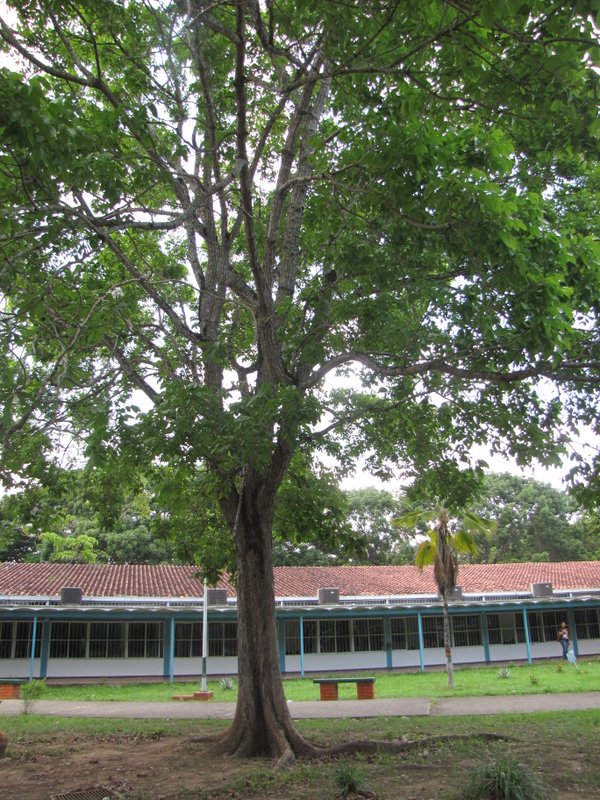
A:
[262,725]
[447,643]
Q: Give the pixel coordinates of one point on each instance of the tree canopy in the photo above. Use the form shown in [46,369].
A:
[238,235]
[535,522]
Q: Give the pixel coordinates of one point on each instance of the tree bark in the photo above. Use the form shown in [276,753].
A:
[447,644]
[262,724]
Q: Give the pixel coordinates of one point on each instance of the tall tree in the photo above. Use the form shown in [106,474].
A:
[370,513]
[218,206]
[535,521]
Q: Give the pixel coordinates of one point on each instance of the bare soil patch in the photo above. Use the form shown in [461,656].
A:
[178,767]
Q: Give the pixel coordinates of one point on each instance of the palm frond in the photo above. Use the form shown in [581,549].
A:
[413,518]
[473,523]
[425,554]
[463,542]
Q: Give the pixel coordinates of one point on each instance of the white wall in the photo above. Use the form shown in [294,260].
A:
[215,665]
[104,667]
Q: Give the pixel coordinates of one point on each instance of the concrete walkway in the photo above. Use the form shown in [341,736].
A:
[318,709]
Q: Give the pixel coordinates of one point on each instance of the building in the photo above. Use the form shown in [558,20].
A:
[84,621]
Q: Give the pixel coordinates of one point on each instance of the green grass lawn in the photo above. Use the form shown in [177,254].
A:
[546,677]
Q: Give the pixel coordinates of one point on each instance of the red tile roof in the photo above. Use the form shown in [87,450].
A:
[130,580]
[101,580]
[305,581]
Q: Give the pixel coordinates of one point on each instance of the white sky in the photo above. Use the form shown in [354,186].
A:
[555,476]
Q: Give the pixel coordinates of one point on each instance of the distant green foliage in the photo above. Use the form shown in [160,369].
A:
[535,522]
[370,513]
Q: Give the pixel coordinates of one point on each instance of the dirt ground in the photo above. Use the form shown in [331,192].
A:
[165,767]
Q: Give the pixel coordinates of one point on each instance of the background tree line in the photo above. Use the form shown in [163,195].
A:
[69,520]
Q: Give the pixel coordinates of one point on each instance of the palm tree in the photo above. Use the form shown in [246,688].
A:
[441,548]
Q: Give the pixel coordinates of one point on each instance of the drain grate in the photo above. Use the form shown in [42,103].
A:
[97,793]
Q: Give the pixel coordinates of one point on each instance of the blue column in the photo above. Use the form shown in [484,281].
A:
[169,649]
[281,644]
[421,643]
[486,638]
[387,637]
[302,647]
[33,642]
[527,638]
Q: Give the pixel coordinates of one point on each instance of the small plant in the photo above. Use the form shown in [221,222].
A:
[559,667]
[348,778]
[534,680]
[31,693]
[256,780]
[504,673]
[227,684]
[504,778]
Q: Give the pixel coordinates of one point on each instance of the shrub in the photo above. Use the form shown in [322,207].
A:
[227,684]
[504,778]
[348,778]
[504,672]
[31,693]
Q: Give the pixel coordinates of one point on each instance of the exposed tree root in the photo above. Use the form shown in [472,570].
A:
[285,760]
[403,745]
[208,739]
[283,745]
[238,746]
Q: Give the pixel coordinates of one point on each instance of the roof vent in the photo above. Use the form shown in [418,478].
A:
[541,589]
[328,596]
[216,597]
[71,595]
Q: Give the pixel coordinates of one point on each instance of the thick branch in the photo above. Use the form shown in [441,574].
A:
[584,372]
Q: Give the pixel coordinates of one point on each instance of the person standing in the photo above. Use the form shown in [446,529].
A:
[563,637]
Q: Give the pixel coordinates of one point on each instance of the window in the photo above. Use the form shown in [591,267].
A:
[367,634]
[506,628]
[310,636]
[68,639]
[433,631]
[466,630]
[6,639]
[188,639]
[405,633]
[292,637]
[335,636]
[15,640]
[107,640]
[543,625]
[222,638]
[587,623]
[145,640]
